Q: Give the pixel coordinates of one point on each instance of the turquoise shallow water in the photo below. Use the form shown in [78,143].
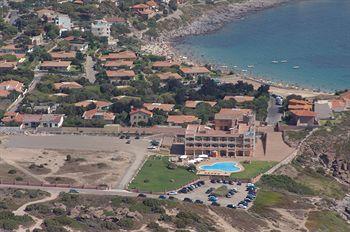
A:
[314,35]
[221,166]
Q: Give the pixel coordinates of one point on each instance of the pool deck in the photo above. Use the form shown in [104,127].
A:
[211,161]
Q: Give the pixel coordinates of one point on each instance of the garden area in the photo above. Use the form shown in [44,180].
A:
[159,175]
[253,169]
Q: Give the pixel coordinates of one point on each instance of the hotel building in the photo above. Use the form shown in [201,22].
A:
[232,135]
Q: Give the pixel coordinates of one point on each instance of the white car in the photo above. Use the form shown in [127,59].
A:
[172,193]
[151,148]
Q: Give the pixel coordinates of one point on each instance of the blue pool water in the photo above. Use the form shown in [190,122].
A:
[313,35]
[221,166]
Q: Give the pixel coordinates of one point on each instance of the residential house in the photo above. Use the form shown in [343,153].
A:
[12,85]
[143,10]
[159,106]
[37,39]
[193,104]
[77,43]
[63,22]
[4,93]
[67,85]
[21,57]
[47,14]
[240,99]
[303,117]
[11,48]
[182,120]
[194,72]
[346,97]
[101,28]
[55,65]
[124,55]
[120,76]
[96,114]
[35,120]
[294,104]
[323,110]
[113,20]
[168,75]
[65,56]
[100,105]
[140,116]
[165,64]
[118,64]
[8,65]
[338,105]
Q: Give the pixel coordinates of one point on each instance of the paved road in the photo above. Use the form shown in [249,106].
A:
[37,77]
[273,115]
[89,69]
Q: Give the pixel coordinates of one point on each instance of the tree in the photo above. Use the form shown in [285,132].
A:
[52,31]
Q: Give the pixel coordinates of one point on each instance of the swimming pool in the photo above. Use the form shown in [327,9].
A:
[222,167]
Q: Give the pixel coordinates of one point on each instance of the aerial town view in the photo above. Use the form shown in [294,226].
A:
[174,115]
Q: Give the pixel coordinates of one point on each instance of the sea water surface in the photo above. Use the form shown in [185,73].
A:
[311,38]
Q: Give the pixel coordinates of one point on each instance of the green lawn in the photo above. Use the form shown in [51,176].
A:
[266,199]
[155,176]
[253,169]
[326,221]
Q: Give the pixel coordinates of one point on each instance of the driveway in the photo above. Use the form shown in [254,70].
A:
[273,115]
[89,69]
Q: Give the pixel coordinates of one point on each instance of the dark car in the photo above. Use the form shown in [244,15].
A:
[127,137]
[209,190]
[198,202]
[225,181]
[162,197]
[188,200]
[128,142]
[214,203]
[201,182]
[141,195]
[231,182]
[212,181]
[137,137]
[239,182]
[231,206]
[122,137]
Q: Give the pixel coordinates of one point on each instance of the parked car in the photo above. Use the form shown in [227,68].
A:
[225,181]
[228,195]
[151,148]
[198,202]
[239,182]
[122,137]
[162,197]
[231,206]
[242,206]
[73,191]
[212,198]
[128,142]
[172,193]
[188,200]
[212,181]
[230,182]
[247,199]
[209,190]
[137,137]
[141,195]
[201,182]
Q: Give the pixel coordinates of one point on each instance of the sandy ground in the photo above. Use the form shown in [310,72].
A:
[94,159]
[276,89]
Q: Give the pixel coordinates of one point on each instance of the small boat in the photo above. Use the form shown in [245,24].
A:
[284,61]
[296,67]
[250,66]
[235,66]
[244,70]
[275,61]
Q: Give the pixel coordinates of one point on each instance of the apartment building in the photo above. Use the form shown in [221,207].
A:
[232,135]
[101,28]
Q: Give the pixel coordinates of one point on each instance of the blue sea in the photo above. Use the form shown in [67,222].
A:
[311,37]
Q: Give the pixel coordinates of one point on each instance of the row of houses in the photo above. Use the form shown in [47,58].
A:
[306,113]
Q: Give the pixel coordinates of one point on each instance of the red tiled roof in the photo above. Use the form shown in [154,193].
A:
[165,64]
[194,70]
[168,75]
[140,6]
[67,85]
[193,104]
[118,63]
[62,55]
[4,93]
[346,95]
[160,106]
[181,119]
[95,113]
[303,113]
[135,111]
[120,55]
[12,85]
[6,64]
[239,99]
[99,104]
[120,73]
[234,113]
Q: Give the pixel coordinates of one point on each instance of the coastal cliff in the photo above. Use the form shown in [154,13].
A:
[202,18]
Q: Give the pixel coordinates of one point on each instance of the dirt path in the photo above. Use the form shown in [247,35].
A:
[37,222]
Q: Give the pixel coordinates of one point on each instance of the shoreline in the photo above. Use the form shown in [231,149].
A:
[211,21]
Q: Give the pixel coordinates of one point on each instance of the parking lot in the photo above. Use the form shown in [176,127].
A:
[200,194]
